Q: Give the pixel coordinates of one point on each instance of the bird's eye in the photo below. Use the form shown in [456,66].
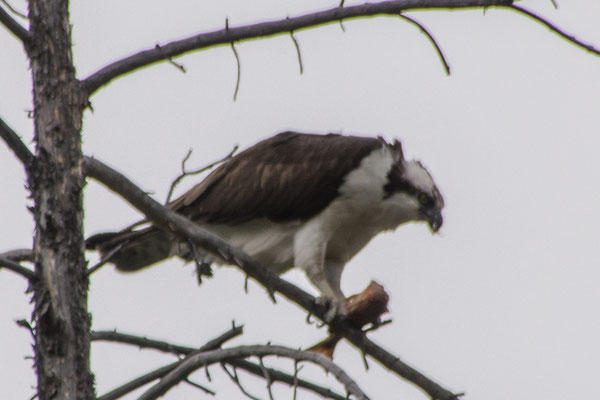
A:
[423,198]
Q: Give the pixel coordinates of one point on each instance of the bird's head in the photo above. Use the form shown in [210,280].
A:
[411,188]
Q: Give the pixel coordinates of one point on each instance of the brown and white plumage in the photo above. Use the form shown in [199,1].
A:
[303,200]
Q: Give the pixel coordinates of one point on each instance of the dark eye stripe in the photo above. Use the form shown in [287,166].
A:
[396,183]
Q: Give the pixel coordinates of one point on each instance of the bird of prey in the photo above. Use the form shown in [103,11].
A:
[295,200]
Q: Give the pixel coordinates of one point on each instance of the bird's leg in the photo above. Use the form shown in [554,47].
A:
[333,275]
[327,279]
[310,255]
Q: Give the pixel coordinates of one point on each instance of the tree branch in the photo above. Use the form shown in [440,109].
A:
[252,368]
[14,142]
[264,29]
[14,27]
[185,173]
[16,267]
[278,376]
[200,360]
[424,30]
[180,226]
[556,29]
[142,342]
[14,10]
[18,255]
[138,382]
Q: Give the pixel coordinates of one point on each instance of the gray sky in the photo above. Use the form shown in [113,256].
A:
[503,304]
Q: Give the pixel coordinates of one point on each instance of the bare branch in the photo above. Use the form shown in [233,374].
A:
[239,71]
[252,368]
[143,342]
[16,267]
[200,360]
[180,67]
[236,379]
[197,385]
[14,10]
[297,46]
[104,260]
[267,377]
[265,29]
[185,173]
[14,142]
[291,380]
[13,26]
[181,226]
[553,28]
[18,255]
[438,49]
[138,382]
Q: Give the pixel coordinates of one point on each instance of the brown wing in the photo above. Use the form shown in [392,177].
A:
[288,176]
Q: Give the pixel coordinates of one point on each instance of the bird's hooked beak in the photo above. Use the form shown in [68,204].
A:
[434,218]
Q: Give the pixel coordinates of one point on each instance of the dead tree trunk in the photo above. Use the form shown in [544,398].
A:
[56,181]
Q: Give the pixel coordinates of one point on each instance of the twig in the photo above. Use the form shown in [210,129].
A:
[138,382]
[104,260]
[438,49]
[291,380]
[178,66]
[18,268]
[14,10]
[236,379]
[197,385]
[18,255]
[297,46]
[239,71]
[296,370]
[13,26]
[23,323]
[185,173]
[553,28]
[170,60]
[199,360]
[143,342]
[14,142]
[267,377]
[230,34]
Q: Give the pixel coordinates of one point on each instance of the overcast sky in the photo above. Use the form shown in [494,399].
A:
[503,304]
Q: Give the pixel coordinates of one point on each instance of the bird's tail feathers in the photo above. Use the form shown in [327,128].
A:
[131,251]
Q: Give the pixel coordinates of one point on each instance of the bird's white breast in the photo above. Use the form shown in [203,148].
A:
[356,215]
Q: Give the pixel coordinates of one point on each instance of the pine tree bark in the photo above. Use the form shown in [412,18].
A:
[56,180]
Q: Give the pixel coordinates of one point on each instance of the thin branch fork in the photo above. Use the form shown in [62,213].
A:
[143,342]
[178,350]
[167,219]
[200,360]
[229,35]
[14,27]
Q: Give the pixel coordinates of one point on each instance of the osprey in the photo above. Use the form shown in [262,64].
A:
[295,200]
